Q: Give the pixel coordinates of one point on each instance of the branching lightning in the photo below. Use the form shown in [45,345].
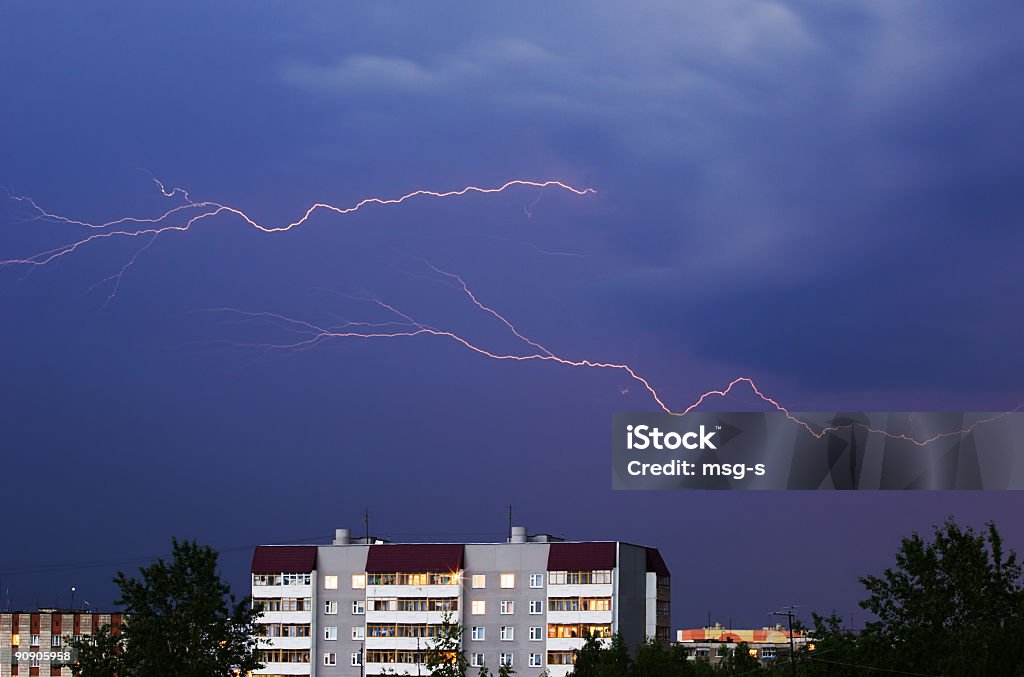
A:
[403,326]
[314,334]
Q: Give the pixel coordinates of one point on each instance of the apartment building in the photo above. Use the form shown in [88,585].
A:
[37,642]
[714,643]
[364,606]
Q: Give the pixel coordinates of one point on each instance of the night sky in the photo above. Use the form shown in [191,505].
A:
[825,197]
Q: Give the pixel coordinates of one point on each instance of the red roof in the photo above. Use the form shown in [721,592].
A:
[289,559]
[581,556]
[414,557]
[656,564]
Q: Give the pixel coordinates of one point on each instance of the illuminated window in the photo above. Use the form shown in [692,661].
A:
[507,607]
[536,580]
[358,581]
[15,639]
[508,581]
[479,607]
[479,581]
[330,582]
[330,632]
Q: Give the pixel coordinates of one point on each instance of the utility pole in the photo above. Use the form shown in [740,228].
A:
[788,613]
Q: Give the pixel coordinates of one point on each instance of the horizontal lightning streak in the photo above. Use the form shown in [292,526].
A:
[209,209]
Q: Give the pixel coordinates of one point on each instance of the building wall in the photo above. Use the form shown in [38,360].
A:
[632,608]
[44,625]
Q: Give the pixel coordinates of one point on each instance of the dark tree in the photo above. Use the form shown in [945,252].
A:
[952,606]
[445,657]
[182,620]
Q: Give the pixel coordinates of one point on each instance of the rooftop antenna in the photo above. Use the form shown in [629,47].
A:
[509,522]
[366,520]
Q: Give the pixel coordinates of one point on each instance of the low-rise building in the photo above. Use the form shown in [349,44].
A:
[38,642]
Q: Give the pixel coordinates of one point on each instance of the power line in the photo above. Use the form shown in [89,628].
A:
[870,667]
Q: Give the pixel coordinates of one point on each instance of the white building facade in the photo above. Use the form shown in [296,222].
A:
[364,607]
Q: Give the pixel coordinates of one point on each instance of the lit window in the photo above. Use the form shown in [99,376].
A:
[506,660]
[536,606]
[507,607]
[536,661]
[357,658]
[508,581]
[479,581]
[330,607]
[358,581]
[536,634]
[359,607]
[479,607]
[536,580]
[478,634]
[358,633]
[15,639]
[330,659]
[508,633]
[330,632]
[476,660]
[330,582]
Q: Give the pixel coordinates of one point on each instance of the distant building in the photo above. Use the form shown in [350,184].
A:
[715,642]
[365,606]
[37,642]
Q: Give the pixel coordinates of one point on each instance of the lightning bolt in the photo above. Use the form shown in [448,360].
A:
[203,210]
[311,334]
[314,335]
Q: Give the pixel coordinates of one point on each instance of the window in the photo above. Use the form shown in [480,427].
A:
[479,581]
[702,652]
[16,639]
[506,660]
[55,640]
[768,652]
[330,607]
[536,580]
[330,659]
[356,658]
[507,607]
[359,607]
[330,632]
[296,579]
[508,633]
[479,607]
[358,633]
[536,606]
[330,582]
[34,640]
[536,660]
[358,581]
[536,633]
[478,634]
[476,660]
[508,581]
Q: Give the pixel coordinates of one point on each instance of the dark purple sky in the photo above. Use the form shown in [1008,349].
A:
[825,198]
